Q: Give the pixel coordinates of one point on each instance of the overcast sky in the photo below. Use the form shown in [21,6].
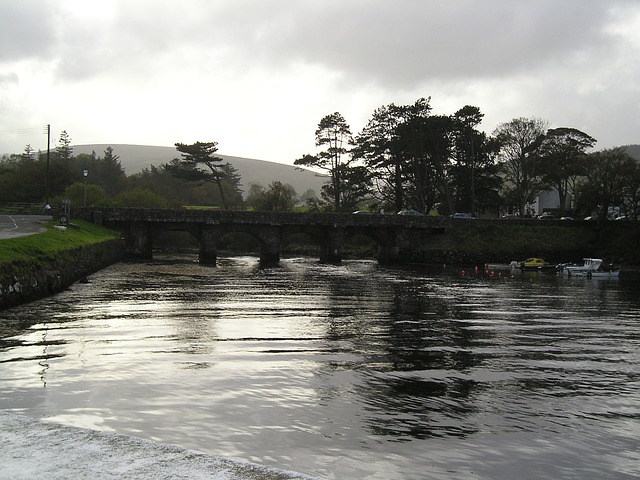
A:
[258,75]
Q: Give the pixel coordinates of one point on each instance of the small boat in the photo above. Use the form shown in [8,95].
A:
[592,267]
[533,264]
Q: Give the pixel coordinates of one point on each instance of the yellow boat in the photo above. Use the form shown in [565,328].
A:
[534,263]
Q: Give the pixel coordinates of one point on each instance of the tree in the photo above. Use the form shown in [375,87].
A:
[420,160]
[278,197]
[607,176]
[631,193]
[255,196]
[64,150]
[334,134]
[519,140]
[75,193]
[310,199]
[308,196]
[355,185]
[189,167]
[377,146]
[29,153]
[61,173]
[141,198]
[426,143]
[473,161]
[563,155]
[231,185]
[110,174]
[22,179]
[439,144]
[476,183]
[162,182]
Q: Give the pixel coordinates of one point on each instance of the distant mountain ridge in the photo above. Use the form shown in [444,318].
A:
[134,158]
[633,151]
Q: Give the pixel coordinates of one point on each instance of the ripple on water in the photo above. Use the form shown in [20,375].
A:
[348,371]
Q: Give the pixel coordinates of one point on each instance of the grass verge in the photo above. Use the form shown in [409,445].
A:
[53,241]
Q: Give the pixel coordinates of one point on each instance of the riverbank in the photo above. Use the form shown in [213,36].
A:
[39,265]
[479,243]
[46,263]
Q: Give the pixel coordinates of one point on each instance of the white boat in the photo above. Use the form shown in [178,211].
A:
[592,267]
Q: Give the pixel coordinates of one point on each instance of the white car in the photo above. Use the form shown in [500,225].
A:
[411,212]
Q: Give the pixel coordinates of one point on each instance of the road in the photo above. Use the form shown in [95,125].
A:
[12,226]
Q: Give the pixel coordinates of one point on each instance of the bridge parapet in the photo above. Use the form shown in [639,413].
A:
[395,235]
[272,229]
[214,217]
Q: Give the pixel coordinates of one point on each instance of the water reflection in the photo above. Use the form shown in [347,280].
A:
[341,371]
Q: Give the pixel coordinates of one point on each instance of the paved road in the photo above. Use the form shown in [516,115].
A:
[12,226]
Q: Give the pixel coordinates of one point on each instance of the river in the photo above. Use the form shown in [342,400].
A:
[351,371]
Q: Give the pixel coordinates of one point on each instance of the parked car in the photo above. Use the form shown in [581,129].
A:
[411,212]
[547,216]
[510,216]
[461,215]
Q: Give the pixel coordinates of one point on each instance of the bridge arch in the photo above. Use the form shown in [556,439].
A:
[390,232]
[333,238]
[211,235]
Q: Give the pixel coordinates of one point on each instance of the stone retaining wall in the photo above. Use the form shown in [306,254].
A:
[22,281]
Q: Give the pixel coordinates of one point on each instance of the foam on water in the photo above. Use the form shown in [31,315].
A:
[34,449]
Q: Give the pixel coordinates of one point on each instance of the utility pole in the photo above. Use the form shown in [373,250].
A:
[473,175]
[48,154]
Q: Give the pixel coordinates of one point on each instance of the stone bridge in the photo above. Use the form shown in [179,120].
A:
[272,229]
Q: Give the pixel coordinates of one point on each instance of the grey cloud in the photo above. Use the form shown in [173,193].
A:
[562,60]
[8,79]
[401,44]
[139,40]
[27,29]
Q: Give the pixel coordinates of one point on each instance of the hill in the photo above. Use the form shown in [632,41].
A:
[134,158]
[633,150]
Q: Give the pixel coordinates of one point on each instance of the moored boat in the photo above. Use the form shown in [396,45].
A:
[592,267]
[533,264]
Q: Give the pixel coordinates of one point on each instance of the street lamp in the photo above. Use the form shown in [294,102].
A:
[85,174]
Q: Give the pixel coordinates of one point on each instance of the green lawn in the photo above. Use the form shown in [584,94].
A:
[53,241]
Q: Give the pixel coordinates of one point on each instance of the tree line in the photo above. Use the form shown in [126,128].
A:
[404,157]
[197,178]
[407,157]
